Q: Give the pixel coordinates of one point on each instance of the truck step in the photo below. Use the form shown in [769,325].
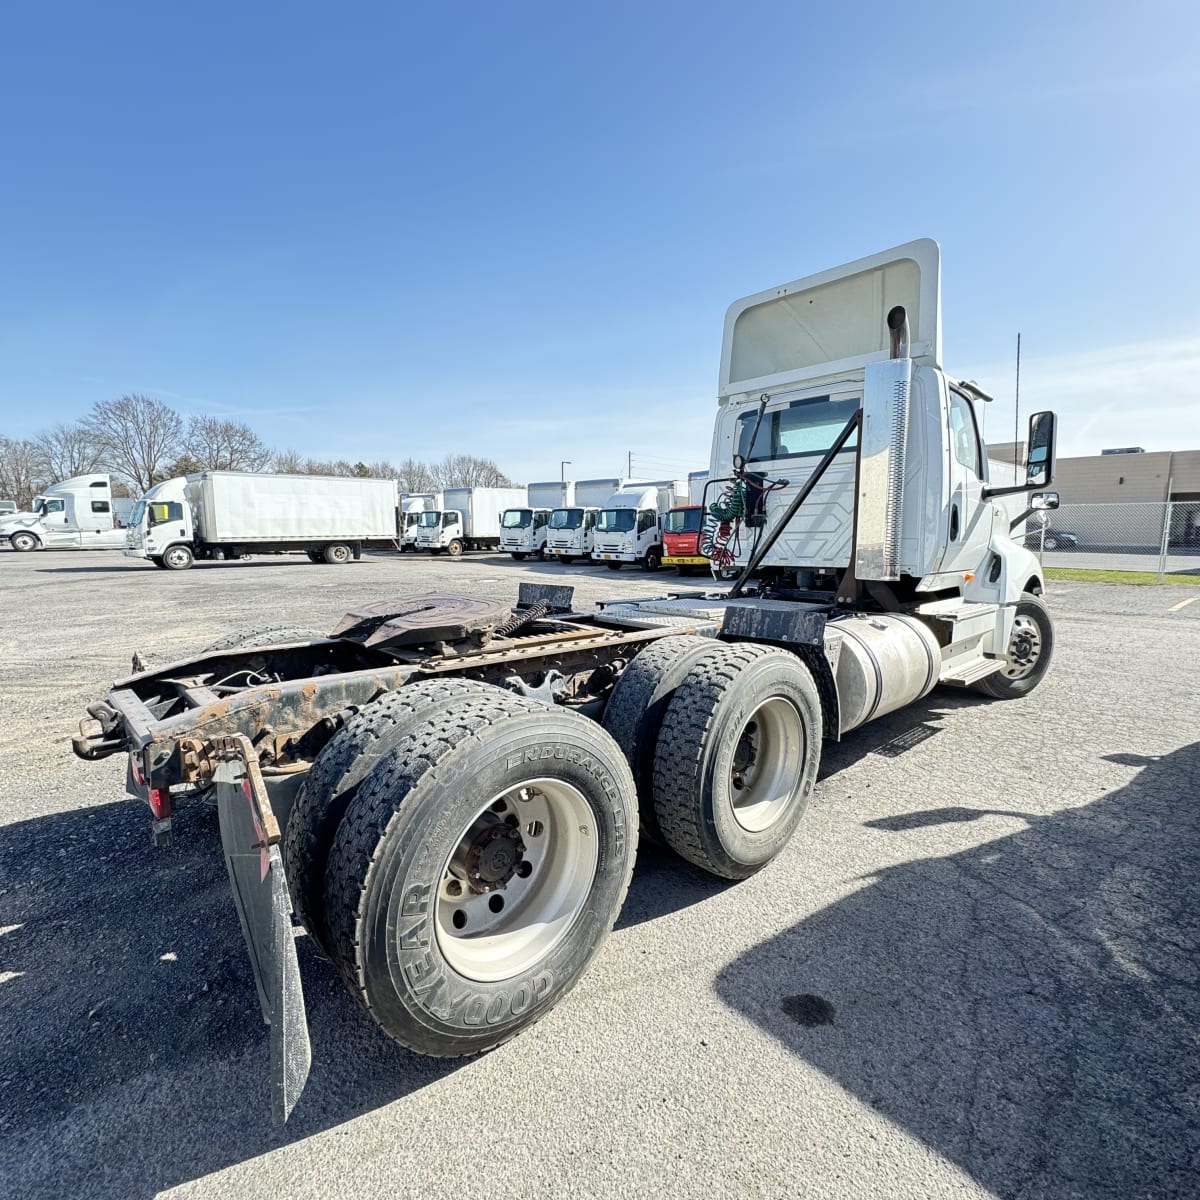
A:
[963,674]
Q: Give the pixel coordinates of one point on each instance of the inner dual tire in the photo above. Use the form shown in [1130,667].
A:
[477,866]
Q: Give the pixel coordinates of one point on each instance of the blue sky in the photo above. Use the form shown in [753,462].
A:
[513,229]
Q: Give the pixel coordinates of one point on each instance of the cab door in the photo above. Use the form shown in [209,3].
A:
[969,519]
[59,529]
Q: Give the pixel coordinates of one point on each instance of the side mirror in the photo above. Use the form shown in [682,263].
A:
[1043,500]
[1039,465]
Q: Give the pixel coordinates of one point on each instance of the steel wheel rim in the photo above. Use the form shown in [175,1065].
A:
[176,557]
[763,788]
[559,841]
[1024,648]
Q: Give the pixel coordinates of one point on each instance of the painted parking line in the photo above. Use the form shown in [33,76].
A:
[1183,603]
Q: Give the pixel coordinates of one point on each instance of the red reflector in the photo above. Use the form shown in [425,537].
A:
[138,777]
[160,803]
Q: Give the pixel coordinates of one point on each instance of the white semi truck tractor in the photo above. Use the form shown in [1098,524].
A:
[523,529]
[629,528]
[447,790]
[569,533]
[79,513]
[469,519]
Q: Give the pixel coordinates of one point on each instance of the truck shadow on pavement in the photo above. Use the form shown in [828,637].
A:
[133,1056]
[1028,1008]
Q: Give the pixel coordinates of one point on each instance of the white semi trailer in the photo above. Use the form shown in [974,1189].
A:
[77,514]
[569,533]
[629,526]
[230,514]
[523,530]
[468,520]
[410,508]
[452,787]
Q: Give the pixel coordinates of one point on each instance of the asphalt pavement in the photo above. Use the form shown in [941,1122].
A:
[973,972]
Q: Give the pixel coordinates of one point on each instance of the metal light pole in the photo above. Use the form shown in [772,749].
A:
[562,470]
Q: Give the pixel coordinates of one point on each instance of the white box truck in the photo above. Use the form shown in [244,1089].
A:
[523,530]
[79,513]
[569,531]
[468,520]
[411,506]
[629,526]
[229,514]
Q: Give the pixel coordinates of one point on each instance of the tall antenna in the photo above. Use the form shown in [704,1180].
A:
[629,465]
[1017,404]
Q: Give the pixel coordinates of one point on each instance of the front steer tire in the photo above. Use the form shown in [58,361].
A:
[430,799]
[1031,650]
[738,758]
[343,763]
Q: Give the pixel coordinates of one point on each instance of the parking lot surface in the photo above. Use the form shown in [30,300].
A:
[973,972]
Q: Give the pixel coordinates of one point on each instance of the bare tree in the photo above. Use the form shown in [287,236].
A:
[466,470]
[138,437]
[20,471]
[288,462]
[66,451]
[223,445]
[416,476]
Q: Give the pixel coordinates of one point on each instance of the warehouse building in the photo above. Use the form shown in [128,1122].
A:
[1126,494]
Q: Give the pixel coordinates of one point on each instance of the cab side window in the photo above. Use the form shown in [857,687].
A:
[55,506]
[964,440]
[645,521]
[100,506]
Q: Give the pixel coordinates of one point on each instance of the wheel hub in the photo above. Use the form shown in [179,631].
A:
[745,756]
[490,858]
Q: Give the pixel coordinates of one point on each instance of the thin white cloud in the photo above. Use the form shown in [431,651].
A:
[1136,394]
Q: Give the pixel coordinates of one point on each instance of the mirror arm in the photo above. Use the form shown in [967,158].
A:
[988,493]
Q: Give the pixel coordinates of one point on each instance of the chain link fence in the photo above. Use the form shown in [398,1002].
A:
[1161,538]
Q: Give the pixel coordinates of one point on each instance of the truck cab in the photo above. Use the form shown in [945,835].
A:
[436,527]
[523,532]
[569,533]
[681,538]
[76,514]
[629,530]
[161,521]
[903,503]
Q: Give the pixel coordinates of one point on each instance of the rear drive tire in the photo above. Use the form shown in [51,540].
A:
[24,541]
[478,871]
[1030,651]
[178,558]
[635,710]
[337,554]
[332,782]
[738,758]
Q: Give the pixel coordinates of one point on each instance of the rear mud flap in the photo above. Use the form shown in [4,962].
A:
[250,838]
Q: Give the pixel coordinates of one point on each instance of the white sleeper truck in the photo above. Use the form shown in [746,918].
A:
[231,514]
[629,528]
[469,519]
[569,534]
[77,514]
[523,530]
[447,790]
